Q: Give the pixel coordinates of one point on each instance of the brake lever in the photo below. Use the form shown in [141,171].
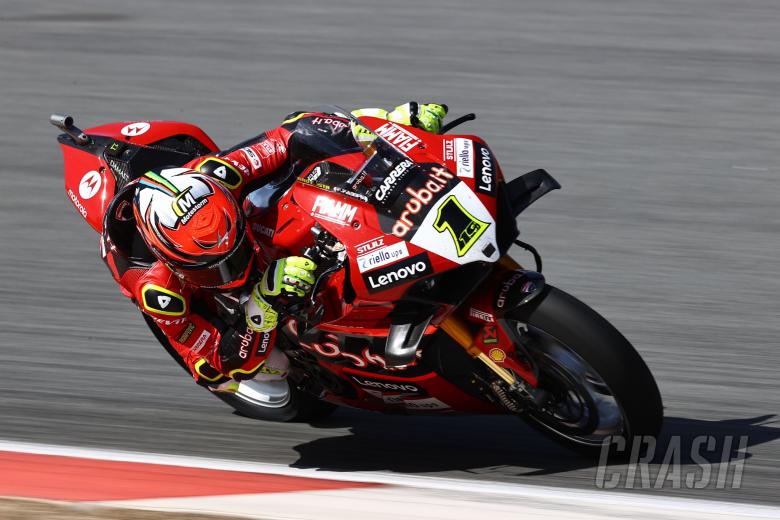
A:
[323,276]
[309,310]
[459,121]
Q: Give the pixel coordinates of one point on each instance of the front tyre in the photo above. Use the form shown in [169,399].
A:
[594,383]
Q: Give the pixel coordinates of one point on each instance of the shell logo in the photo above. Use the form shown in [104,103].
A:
[497,355]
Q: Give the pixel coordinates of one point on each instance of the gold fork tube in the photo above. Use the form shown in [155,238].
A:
[458,331]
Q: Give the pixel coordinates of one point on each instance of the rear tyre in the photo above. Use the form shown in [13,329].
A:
[278,401]
[597,385]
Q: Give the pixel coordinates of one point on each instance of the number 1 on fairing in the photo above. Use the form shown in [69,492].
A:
[464,227]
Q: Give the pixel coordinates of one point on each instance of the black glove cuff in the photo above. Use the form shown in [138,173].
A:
[414,112]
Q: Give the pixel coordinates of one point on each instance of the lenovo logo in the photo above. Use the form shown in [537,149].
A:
[397,273]
[486,179]
[385,385]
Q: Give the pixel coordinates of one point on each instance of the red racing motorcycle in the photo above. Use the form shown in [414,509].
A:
[417,307]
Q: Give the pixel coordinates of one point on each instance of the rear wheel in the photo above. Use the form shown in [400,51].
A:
[594,383]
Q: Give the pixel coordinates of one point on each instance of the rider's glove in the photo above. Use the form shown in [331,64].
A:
[427,117]
[424,116]
[291,276]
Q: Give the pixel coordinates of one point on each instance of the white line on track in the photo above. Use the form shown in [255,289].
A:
[751,168]
[593,498]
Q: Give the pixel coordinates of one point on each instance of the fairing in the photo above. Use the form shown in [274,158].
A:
[120,152]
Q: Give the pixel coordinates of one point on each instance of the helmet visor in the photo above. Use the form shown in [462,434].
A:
[227,271]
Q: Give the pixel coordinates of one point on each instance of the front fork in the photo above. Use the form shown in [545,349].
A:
[519,379]
[456,328]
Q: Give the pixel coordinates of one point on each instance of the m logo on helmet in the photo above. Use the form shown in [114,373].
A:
[185,205]
[184,202]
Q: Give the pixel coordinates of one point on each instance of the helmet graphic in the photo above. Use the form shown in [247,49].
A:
[193,224]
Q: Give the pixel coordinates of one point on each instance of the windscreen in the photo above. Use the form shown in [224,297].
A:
[377,179]
[422,203]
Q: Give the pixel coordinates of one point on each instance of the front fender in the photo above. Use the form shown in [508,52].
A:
[505,297]
[502,294]
[516,289]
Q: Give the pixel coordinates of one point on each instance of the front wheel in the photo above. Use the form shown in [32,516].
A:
[593,383]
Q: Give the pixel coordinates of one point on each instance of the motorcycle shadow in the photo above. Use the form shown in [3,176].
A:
[691,437]
[486,445]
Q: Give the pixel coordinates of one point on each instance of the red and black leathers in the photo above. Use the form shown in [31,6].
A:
[212,349]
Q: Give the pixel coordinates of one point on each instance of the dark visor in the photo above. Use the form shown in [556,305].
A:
[224,272]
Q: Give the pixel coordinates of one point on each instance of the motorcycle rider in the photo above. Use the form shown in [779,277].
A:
[190,219]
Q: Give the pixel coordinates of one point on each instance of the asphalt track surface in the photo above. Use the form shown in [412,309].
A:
[661,119]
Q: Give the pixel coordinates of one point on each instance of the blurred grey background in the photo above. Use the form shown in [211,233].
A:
[660,119]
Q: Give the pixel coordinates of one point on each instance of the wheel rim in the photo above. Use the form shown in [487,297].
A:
[268,394]
[585,409]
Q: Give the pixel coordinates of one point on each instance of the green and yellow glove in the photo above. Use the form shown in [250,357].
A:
[427,117]
[424,116]
[260,315]
[291,276]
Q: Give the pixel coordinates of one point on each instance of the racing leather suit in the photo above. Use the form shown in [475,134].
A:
[214,351]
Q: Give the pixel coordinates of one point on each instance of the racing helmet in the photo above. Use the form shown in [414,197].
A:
[193,224]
